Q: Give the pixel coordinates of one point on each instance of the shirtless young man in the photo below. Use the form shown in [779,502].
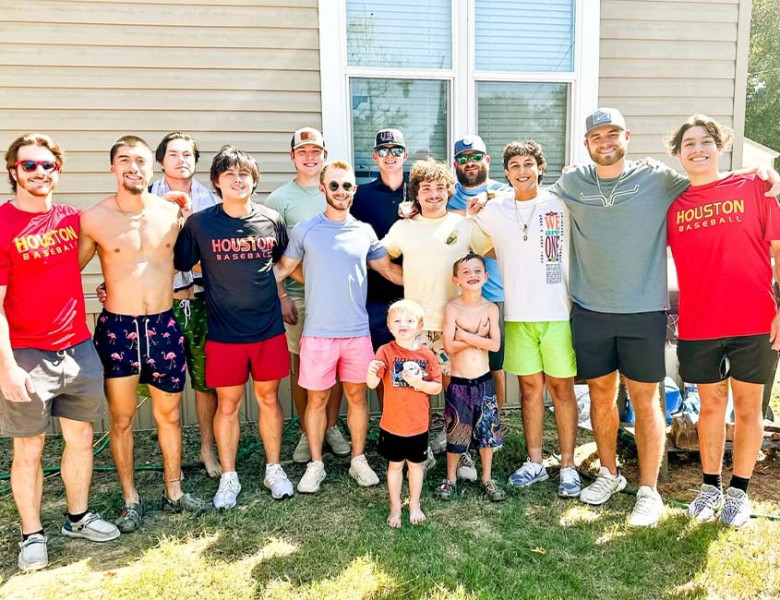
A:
[137,336]
[471,330]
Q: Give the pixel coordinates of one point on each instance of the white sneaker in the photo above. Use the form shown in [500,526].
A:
[648,508]
[312,478]
[467,470]
[439,442]
[302,453]
[33,554]
[528,474]
[229,487]
[569,485]
[601,490]
[361,472]
[736,508]
[338,445]
[707,504]
[276,481]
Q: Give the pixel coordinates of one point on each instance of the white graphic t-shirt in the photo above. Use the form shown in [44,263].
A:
[531,239]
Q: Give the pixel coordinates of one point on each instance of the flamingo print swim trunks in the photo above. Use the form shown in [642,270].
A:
[149,345]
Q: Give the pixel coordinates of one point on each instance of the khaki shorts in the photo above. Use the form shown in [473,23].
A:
[434,341]
[294,332]
[68,383]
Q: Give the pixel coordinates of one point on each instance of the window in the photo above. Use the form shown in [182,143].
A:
[439,69]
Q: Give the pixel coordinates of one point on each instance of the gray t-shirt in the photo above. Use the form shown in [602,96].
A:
[334,255]
[618,252]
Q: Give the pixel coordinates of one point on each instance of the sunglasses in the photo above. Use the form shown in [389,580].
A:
[30,166]
[396,151]
[463,159]
[348,186]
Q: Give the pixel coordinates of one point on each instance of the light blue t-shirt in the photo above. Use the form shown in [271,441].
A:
[493,290]
[617,262]
[334,255]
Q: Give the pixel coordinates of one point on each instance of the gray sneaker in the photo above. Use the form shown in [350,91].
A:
[707,504]
[302,453]
[91,527]
[33,554]
[338,445]
[430,460]
[438,443]
[569,486]
[648,508]
[601,490]
[528,474]
[736,508]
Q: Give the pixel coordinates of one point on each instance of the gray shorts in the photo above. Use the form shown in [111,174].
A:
[68,383]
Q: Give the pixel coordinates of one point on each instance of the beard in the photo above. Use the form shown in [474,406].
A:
[136,189]
[472,179]
[329,199]
[608,161]
[37,189]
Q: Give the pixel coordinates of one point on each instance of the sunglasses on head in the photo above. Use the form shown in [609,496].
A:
[463,159]
[347,185]
[396,151]
[30,166]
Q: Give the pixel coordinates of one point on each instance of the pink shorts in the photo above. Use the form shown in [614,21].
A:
[230,364]
[321,358]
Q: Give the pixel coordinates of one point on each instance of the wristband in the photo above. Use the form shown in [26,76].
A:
[283,296]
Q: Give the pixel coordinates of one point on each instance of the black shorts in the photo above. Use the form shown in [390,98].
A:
[632,343]
[496,359]
[747,358]
[398,448]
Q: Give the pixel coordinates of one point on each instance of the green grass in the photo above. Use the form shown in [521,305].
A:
[336,544]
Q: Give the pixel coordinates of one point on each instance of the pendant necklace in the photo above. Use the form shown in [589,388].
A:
[525,223]
[609,200]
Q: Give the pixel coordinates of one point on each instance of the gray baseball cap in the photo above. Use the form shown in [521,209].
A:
[470,142]
[604,116]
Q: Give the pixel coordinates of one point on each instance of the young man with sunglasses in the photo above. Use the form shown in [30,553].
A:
[336,249]
[299,200]
[136,335]
[376,203]
[48,366]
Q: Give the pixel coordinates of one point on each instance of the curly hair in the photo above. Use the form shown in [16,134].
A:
[526,148]
[429,170]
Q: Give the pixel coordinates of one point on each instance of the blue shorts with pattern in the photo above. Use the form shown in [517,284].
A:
[151,346]
[471,412]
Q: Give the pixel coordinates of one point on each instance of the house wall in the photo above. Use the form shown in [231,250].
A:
[86,72]
[662,61]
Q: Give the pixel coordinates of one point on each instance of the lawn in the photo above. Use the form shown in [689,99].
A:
[336,544]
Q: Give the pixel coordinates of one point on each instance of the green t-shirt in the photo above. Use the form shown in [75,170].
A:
[296,204]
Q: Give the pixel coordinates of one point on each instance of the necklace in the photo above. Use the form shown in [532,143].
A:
[525,224]
[609,200]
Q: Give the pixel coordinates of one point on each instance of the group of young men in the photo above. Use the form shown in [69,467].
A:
[231,288]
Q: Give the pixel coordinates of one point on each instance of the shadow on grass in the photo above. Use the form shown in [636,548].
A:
[336,543]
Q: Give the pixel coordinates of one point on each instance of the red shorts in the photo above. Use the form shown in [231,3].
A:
[230,364]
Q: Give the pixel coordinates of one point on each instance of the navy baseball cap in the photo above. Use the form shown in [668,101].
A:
[470,142]
[389,137]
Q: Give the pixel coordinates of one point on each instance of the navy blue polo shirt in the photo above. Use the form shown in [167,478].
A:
[376,204]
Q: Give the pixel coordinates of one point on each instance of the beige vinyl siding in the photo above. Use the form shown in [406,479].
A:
[244,72]
[662,61]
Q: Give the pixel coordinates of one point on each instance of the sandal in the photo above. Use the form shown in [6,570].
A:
[493,491]
[446,491]
[130,520]
[187,502]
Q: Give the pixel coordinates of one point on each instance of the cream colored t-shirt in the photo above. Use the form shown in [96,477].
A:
[430,247]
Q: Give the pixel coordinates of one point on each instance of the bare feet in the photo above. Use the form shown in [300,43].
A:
[416,515]
[394,520]
[210,462]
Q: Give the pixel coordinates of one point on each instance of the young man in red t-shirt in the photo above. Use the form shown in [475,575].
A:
[48,366]
[722,231]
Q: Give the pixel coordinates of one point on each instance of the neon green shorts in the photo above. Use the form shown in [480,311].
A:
[535,347]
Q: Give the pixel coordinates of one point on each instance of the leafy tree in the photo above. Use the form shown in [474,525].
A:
[762,121]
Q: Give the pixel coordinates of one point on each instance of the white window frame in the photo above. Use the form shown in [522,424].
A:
[335,74]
